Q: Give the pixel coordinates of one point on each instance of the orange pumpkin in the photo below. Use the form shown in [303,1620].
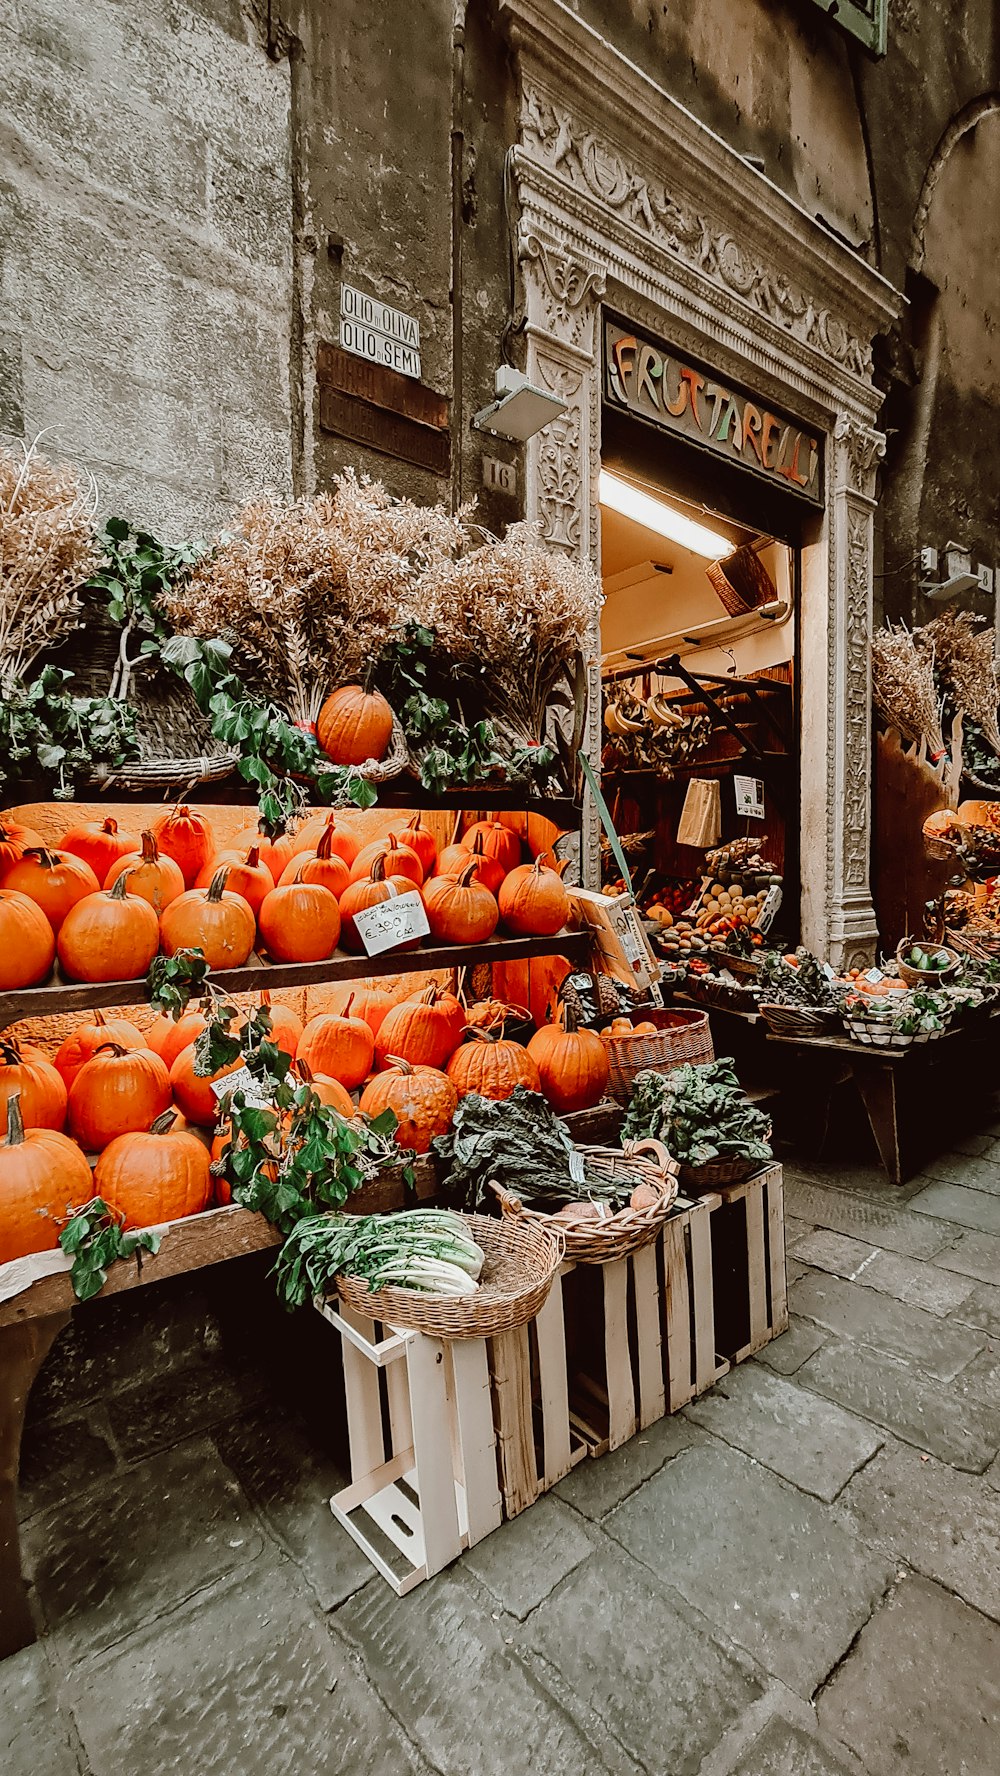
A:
[211,919]
[15,840]
[166,1038]
[534,830]
[344,841]
[354,725]
[286,1028]
[116,1091]
[534,983]
[489,870]
[491,1066]
[27,942]
[533,901]
[111,935]
[83,1043]
[372,891]
[153,876]
[99,843]
[274,853]
[193,1092]
[54,880]
[247,876]
[186,836]
[340,1047]
[418,837]
[322,866]
[498,842]
[398,859]
[329,1091]
[572,1064]
[424,1029]
[422,1099]
[24,1069]
[300,922]
[459,909]
[367,1000]
[43,1175]
[156,1175]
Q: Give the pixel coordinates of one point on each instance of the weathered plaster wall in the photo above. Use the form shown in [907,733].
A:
[145,251]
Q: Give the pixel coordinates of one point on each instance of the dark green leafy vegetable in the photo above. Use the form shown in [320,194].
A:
[522,1144]
[699,1113]
[93,1236]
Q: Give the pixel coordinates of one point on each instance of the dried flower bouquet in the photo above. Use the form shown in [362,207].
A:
[47,549]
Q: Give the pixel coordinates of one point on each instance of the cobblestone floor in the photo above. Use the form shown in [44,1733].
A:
[798,1576]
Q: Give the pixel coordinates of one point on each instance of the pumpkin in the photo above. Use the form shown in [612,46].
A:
[418,837]
[322,866]
[342,1047]
[167,1037]
[329,1091]
[491,1066]
[193,1092]
[211,919]
[83,1043]
[149,1176]
[15,840]
[422,1099]
[152,875]
[286,1028]
[534,830]
[399,860]
[27,942]
[247,876]
[454,858]
[42,1175]
[533,982]
[344,841]
[354,725]
[111,935]
[459,909]
[423,1030]
[300,922]
[367,1000]
[274,853]
[533,901]
[99,843]
[572,1064]
[25,1070]
[369,892]
[116,1091]
[54,880]
[498,842]
[186,836]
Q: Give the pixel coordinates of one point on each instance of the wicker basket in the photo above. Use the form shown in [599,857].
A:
[745,968]
[716,1172]
[395,762]
[521,1261]
[681,1036]
[176,747]
[872,1035]
[799,1020]
[720,995]
[742,581]
[921,977]
[600,1242]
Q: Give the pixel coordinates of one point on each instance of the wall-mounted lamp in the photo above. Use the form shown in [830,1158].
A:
[520,409]
[959,576]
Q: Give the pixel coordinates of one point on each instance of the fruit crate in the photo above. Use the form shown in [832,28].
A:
[748,1264]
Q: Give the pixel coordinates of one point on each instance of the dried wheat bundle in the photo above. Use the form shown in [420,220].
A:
[47,550]
[903,687]
[966,664]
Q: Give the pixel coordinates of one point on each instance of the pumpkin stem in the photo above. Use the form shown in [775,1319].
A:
[15,1121]
[478,846]
[305,1072]
[324,844]
[253,856]
[10,1050]
[150,849]
[99,1018]
[465,875]
[347,1008]
[110,826]
[46,858]
[377,871]
[119,887]
[217,886]
[114,1048]
[164,1123]
[398,1062]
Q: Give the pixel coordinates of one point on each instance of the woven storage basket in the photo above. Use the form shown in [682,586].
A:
[396,761]
[939,849]
[176,745]
[745,968]
[742,581]
[521,1261]
[870,1035]
[799,1020]
[716,1172]
[920,977]
[601,1242]
[722,995]
[675,1042]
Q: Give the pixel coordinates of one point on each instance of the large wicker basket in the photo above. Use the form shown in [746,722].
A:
[799,1020]
[521,1261]
[716,1172]
[681,1036]
[600,1242]
[925,977]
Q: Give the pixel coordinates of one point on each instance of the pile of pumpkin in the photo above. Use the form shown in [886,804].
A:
[107,901]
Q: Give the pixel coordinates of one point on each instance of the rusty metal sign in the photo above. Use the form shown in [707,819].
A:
[383,410]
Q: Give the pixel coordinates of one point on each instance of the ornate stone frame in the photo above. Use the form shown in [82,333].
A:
[625,197]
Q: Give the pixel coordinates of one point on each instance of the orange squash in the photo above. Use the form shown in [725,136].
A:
[15,840]
[54,880]
[25,1070]
[286,1028]
[155,1175]
[100,843]
[300,922]
[417,836]
[459,909]
[111,935]
[344,841]
[534,830]
[367,1000]
[83,1043]
[329,1091]
[152,875]
[491,1066]
[455,858]
[371,891]
[322,866]
[247,876]
[354,725]
[166,1038]
[274,853]
[27,942]
[116,1091]
[498,842]
[397,858]
[424,1029]
[533,901]
[572,1064]
[342,1048]
[211,919]
[422,1099]
[187,837]
[193,1093]
[43,1175]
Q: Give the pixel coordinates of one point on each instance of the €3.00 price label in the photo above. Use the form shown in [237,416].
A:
[391,923]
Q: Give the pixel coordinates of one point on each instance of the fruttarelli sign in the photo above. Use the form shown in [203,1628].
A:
[373,330]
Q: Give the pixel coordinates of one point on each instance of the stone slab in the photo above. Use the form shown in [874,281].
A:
[972,1255]
[982,1309]
[972,1173]
[596,1634]
[868,1318]
[595,1487]
[946,1525]
[807,1440]
[907,1279]
[788,1353]
[136,1544]
[786,1749]
[767,1565]
[952,1202]
[178,1405]
[245,1678]
[920,1693]
[981,1379]
[880,1223]
[290,1480]
[36,1737]
[522,1561]
[936,1418]
[61,1457]
[444,1664]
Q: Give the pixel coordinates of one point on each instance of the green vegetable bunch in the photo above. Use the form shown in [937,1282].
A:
[700,1113]
[806,984]
[430,1250]
[521,1143]
[94,1237]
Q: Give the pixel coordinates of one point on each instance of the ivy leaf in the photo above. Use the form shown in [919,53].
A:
[173,981]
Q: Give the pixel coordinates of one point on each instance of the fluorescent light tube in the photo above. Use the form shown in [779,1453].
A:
[653,514]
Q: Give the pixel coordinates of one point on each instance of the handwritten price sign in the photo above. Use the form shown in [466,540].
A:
[391,923]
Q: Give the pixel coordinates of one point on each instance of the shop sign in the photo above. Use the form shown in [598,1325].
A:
[383,335]
[668,389]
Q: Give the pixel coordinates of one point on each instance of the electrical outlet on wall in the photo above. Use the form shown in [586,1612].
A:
[928,560]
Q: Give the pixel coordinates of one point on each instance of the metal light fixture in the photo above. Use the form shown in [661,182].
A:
[654,514]
[520,409]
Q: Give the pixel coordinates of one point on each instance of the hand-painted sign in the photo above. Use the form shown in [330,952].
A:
[662,386]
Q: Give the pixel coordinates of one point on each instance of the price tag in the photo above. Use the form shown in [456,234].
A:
[769,911]
[392,922]
[577,1169]
[244,1081]
[829,972]
[874,975]
[749,798]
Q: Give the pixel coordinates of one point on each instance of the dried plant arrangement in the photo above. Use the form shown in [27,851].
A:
[963,657]
[904,690]
[47,549]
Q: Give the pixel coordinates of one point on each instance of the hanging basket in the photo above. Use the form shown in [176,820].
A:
[601,1242]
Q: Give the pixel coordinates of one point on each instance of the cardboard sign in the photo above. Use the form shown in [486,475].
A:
[749,798]
[392,922]
[769,911]
[246,1082]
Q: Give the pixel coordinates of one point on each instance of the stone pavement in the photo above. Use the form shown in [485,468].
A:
[798,1576]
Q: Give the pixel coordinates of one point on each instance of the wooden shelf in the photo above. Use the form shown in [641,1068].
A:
[406,793]
[58,995]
